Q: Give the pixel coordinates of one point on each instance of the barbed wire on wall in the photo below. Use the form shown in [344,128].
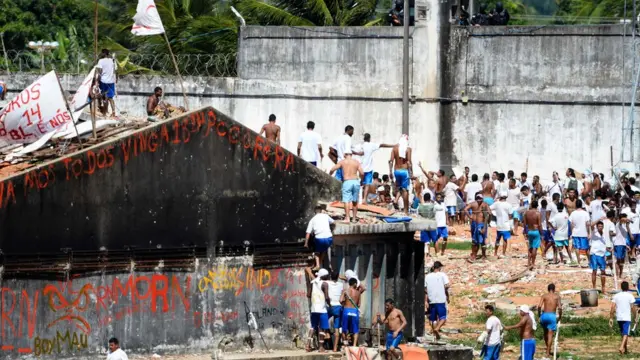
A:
[216,65]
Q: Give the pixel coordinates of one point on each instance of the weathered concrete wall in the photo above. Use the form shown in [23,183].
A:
[182,312]
[549,94]
[196,179]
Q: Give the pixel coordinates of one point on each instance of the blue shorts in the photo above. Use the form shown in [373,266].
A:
[516,216]
[580,243]
[491,352]
[528,349]
[548,321]
[108,89]
[339,174]
[335,312]
[620,252]
[561,243]
[1,89]
[402,179]
[350,321]
[314,163]
[506,235]
[569,227]
[368,178]
[320,320]
[437,312]
[624,327]
[477,233]
[597,262]
[547,235]
[393,342]
[322,245]
[534,239]
[350,191]
[488,200]
[636,240]
[429,236]
[443,232]
[451,210]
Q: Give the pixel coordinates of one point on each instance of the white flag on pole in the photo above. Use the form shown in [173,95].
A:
[37,111]
[147,20]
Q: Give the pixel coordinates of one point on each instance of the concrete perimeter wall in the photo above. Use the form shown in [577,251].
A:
[200,307]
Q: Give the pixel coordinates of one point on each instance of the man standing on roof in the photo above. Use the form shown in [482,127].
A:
[310,145]
[106,70]
[320,227]
[340,147]
[368,148]
[400,168]
[270,130]
[352,173]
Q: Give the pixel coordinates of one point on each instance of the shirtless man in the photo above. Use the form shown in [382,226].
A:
[440,183]
[153,101]
[549,304]
[352,174]
[395,321]
[527,327]
[401,169]
[479,214]
[271,131]
[488,192]
[537,187]
[570,201]
[350,301]
[533,222]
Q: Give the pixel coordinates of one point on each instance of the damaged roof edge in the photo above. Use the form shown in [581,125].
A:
[356,229]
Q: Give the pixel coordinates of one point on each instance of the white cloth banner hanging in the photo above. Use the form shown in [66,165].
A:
[147,19]
[36,111]
[81,97]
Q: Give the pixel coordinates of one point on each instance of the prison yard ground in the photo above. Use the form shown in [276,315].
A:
[584,333]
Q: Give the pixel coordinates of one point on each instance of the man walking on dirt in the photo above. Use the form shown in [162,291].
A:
[270,130]
[352,174]
[533,223]
[480,215]
[396,322]
[527,326]
[401,169]
[549,304]
[436,293]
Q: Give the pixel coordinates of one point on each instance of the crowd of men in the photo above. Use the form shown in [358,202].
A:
[499,16]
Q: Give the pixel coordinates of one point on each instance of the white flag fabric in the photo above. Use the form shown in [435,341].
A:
[37,111]
[81,97]
[147,20]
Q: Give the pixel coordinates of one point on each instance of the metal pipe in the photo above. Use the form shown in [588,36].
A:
[405,70]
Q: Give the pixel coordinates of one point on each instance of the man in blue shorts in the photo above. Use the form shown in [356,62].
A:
[106,68]
[3,90]
[622,305]
[480,215]
[351,311]
[320,227]
[533,224]
[436,292]
[504,213]
[527,326]
[335,290]
[396,322]
[549,304]
[598,250]
[427,211]
[400,169]
[580,229]
[352,174]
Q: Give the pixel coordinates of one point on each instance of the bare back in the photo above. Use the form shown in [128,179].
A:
[400,163]
[271,131]
[152,102]
[487,188]
[350,169]
[441,183]
[354,294]
[532,219]
[394,319]
[550,302]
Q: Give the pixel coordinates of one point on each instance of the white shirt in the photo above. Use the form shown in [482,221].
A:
[553,208]
[609,227]
[501,187]
[634,189]
[579,219]
[597,211]
[450,198]
[434,283]
[502,209]
[117,355]
[108,75]
[335,291]
[318,302]
[342,145]
[526,183]
[621,235]
[598,244]
[471,189]
[494,327]
[634,218]
[367,159]
[525,200]
[554,188]
[623,301]
[513,197]
[319,226]
[441,215]
[560,222]
[309,148]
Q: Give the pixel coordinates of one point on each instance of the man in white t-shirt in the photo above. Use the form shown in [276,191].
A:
[560,225]
[493,341]
[320,227]
[115,353]
[340,147]
[436,293]
[621,241]
[106,70]
[634,224]
[368,148]
[580,230]
[596,209]
[451,199]
[471,189]
[310,145]
[513,198]
[441,222]
[622,305]
[597,255]
[554,187]
[504,213]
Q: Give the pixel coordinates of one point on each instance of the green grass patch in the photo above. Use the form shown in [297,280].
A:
[458,245]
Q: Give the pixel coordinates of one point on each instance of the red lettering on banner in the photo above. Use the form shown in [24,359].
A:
[176,129]
[153,142]
[221,124]
[7,193]
[35,89]
[164,134]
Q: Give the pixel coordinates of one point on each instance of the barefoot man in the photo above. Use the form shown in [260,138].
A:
[395,321]
[402,170]
[549,303]
[350,301]
[436,293]
[527,326]
[270,130]
[533,222]
[352,174]
[621,306]
[480,215]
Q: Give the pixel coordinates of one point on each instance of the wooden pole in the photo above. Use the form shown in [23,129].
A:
[4,50]
[175,63]
[95,34]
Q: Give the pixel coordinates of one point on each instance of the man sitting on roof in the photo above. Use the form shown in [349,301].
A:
[160,110]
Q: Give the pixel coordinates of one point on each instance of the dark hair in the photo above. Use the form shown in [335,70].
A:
[578,204]
[512,180]
[624,286]
[311,125]
[572,172]
[157,88]
[105,52]
[272,118]
[611,213]
[367,137]
[485,176]
[495,173]
[427,197]
[599,223]
[524,174]
[474,177]
[501,177]
[335,275]
[348,128]
[114,341]
[510,172]
[442,172]
[551,287]
[560,206]
[622,216]
[466,168]
[489,307]
[534,204]
[376,175]
[390,301]
[524,188]
[385,177]
[544,203]
[555,196]
[353,282]
[319,207]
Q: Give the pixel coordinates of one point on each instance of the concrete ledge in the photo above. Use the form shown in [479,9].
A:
[412,226]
